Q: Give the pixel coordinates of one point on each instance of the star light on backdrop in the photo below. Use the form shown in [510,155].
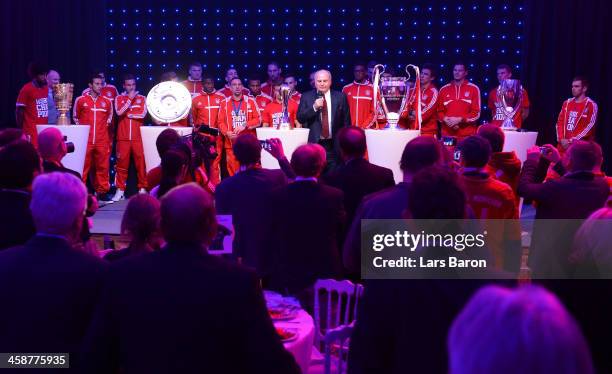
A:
[150,40]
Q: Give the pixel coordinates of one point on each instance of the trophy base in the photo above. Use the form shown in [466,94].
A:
[508,125]
[63,120]
[392,121]
[284,126]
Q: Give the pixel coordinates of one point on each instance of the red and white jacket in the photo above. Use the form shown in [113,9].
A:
[361,104]
[267,88]
[459,101]
[194,87]
[262,101]
[234,114]
[227,91]
[296,96]
[131,113]
[108,90]
[429,111]
[205,108]
[577,120]
[97,113]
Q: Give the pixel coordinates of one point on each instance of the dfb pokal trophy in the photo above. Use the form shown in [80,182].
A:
[392,94]
[285,93]
[62,95]
[509,98]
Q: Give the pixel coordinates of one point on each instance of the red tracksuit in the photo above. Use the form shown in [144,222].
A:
[497,111]
[268,88]
[577,120]
[194,87]
[273,113]
[262,100]
[233,114]
[429,112]
[97,113]
[459,101]
[360,99]
[296,96]
[108,90]
[34,100]
[131,115]
[205,110]
[227,91]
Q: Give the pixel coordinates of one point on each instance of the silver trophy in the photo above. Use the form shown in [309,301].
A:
[394,93]
[285,94]
[509,98]
[168,102]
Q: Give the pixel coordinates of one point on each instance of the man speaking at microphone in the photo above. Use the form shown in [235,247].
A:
[324,112]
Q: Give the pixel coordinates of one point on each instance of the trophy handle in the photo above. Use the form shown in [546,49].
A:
[417,92]
[379,69]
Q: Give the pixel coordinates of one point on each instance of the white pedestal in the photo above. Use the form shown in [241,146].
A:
[291,139]
[149,137]
[77,134]
[519,142]
[385,148]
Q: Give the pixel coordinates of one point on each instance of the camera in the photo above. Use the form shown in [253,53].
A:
[449,141]
[265,144]
[457,155]
[69,145]
[544,150]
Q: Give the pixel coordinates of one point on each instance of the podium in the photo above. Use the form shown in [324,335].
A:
[385,148]
[291,139]
[520,142]
[149,137]
[77,134]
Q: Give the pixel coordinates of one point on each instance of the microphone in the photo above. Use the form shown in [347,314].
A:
[319,94]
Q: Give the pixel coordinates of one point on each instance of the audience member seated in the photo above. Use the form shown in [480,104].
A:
[503,166]
[10,135]
[418,154]
[52,149]
[574,196]
[356,176]
[402,324]
[591,255]
[174,166]
[181,309]
[140,224]
[307,222]
[517,331]
[19,164]
[246,196]
[50,287]
[165,140]
[491,200]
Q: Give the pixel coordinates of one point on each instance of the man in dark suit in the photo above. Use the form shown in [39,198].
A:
[50,288]
[245,196]
[390,203]
[182,310]
[568,200]
[356,177]
[324,112]
[19,164]
[52,149]
[308,221]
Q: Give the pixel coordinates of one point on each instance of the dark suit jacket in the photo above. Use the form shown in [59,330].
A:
[310,119]
[387,204]
[181,310]
[308,223]
[49,291]
[358,178]
[246,197]
[567,200]
[50,167]
[402,325]
[16,223]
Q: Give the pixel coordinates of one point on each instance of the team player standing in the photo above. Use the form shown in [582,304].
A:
[453,110]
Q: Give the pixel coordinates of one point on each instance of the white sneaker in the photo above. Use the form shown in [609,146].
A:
[143,191]
[119,195]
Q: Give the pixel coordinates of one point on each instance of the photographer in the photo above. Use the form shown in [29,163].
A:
[53,149]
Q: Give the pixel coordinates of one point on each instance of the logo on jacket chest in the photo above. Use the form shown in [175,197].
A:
[467,94]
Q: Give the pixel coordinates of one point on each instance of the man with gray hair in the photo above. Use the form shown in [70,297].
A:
[324,112]
[52,149]
[52,287]
[53,78]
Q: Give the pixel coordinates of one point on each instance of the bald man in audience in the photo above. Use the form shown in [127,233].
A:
[53,78]
[206,314]
[52,149]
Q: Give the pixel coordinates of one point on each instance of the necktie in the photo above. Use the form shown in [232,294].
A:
[324,120]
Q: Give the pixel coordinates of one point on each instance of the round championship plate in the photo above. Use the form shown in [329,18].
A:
[169,102]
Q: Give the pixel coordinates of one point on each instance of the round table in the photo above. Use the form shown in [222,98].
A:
[301,347]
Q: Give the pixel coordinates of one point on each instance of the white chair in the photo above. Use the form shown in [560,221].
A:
[340,297]
[337,347]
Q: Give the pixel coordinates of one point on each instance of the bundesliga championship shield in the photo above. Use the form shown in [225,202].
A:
[169,102]
[392,93]
[509,98]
